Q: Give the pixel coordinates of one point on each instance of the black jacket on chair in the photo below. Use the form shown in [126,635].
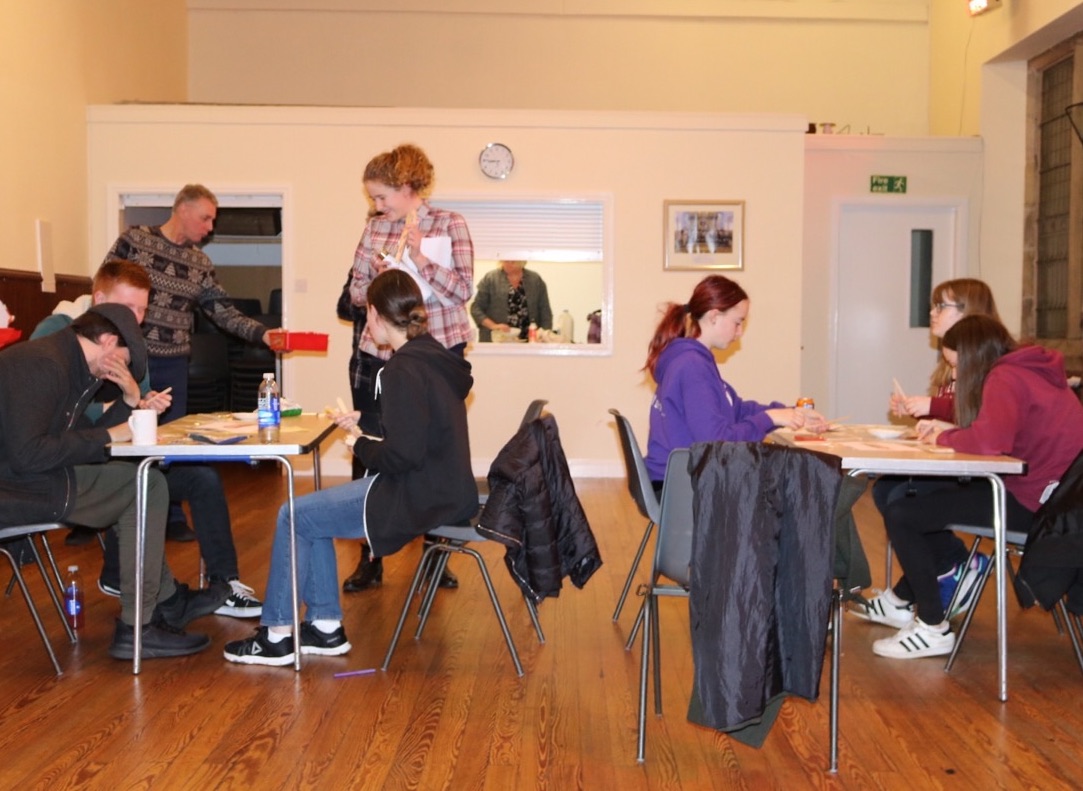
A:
[1052,564]
[761,575]
[534,511]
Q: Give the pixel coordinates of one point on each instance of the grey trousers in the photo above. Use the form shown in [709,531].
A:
[105,496]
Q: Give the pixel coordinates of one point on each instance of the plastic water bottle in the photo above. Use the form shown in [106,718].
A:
[269,415]
[566,327]
[532,333]
[73,598]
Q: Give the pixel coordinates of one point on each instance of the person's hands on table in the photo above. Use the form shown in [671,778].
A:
[914,406]
[798,418]
[929,430]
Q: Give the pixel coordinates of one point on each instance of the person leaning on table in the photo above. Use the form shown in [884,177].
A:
[1009,399]
[126,283]
[54,467]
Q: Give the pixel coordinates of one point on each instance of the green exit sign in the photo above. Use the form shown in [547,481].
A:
[887,184]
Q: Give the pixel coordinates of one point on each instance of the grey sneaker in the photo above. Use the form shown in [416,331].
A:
[185,605]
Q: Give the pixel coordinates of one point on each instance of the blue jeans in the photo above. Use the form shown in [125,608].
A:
[320,518]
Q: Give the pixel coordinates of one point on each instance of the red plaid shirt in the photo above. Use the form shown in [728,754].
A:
[448,321]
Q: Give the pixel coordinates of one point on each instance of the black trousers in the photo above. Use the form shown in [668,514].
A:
[917,528]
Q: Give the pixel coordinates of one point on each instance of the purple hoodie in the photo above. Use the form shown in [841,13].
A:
[1029,412]
[693,404]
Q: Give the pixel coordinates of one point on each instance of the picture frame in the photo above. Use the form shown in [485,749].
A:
[707,234]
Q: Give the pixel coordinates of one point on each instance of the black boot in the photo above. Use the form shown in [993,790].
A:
[368,574]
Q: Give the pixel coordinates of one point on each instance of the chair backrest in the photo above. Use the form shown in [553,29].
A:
[533,411]
[639,481]
[673,552]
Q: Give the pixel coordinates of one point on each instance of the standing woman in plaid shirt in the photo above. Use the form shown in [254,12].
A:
[397,184]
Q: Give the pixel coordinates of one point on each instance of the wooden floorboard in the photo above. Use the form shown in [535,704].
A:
[450,712]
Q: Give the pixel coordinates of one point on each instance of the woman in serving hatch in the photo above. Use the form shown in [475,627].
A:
[510,299]
[1009,399]
[693,403]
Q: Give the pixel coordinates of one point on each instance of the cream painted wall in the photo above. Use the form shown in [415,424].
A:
[315,157]
[661,55]
[961,45]
[992,74]
[837,170]
[57,56]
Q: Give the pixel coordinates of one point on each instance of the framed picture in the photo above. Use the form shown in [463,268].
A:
[704,234]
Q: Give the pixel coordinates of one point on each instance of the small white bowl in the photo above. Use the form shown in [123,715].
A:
[887,432]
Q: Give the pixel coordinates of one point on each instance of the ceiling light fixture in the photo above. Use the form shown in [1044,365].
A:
[981,6]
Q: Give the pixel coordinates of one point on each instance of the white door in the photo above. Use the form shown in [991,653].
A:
[878,295]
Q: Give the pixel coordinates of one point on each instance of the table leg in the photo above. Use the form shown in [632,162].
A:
[141,474]
[1000,510]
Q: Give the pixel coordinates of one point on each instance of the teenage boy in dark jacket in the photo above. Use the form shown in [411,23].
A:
[54,467]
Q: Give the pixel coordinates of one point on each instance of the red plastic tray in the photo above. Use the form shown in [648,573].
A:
[10,335]
[298,341]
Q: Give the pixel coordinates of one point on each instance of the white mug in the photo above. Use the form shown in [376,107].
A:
[144,426]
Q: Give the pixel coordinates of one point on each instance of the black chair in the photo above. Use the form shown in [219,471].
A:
[441,543]
[1015,541]
[31,532]
[672,559]
[208,373]
[642,491]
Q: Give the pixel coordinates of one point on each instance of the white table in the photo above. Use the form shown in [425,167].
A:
[862,454]
[298,436]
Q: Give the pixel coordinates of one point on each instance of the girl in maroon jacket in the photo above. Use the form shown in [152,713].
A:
[1009,399]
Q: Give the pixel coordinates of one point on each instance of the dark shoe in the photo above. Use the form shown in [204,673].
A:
[448,580]
[259,650]
[314,641]
[368,574]
[109,587]
[185,605]
[180,532]
[159,642]
[79,536]
[241,602]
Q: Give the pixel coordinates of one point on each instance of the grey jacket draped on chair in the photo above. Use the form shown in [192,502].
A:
[762,567]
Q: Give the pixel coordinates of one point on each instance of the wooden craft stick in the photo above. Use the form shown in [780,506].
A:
[411,221]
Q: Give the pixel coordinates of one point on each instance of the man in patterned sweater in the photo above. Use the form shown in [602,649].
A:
[182,281]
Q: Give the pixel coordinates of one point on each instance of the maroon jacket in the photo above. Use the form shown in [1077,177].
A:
[1029,412]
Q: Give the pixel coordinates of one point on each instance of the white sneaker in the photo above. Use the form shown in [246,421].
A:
[241,602]
[916,640]
[885,608]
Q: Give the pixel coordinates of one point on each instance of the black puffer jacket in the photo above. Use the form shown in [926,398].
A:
[534,511]
[45,386]
[1052,565]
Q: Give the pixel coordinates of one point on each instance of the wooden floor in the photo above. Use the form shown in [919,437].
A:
[451,713]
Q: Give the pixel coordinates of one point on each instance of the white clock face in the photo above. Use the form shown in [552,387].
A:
[496,161]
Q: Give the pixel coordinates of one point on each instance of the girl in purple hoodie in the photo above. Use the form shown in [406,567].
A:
[693,403]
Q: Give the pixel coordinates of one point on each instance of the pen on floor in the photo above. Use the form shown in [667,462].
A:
[366,672]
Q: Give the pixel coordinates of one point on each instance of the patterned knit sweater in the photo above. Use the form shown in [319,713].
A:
[182,281]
